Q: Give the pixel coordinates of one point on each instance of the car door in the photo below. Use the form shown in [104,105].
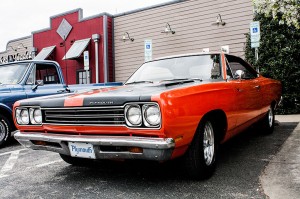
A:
[48,77]
[247,86]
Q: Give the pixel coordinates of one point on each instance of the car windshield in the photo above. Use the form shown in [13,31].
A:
[12,74]
[201,67]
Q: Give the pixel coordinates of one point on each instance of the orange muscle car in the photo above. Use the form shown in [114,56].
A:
[179,106]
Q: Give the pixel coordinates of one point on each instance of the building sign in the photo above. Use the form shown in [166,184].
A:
[148,50]
[64,29]
[86,60]
[225,49]
[15,57]
[255,34]
[206,50]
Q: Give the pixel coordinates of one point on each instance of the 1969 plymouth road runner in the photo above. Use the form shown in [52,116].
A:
[181,106]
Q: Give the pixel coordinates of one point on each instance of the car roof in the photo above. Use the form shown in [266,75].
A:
[188,54]
[29,61]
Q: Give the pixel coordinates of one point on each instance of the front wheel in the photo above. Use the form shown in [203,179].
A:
[5,129]
[200,159]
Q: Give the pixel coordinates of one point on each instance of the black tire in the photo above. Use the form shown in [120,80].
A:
[5,130]
[268,122]
[200,161]
[84,162]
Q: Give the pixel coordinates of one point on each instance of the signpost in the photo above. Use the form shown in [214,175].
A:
[255,37]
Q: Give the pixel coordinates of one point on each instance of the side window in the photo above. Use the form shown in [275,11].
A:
[236,64]
[47,73]
[228,70]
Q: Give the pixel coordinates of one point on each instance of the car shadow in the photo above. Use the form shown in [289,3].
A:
[240,163]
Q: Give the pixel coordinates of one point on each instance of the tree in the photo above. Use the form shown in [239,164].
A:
[283,11]
[279,49]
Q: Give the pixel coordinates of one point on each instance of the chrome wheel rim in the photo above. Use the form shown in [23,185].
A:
[2,131]
[208,143]
[271,117]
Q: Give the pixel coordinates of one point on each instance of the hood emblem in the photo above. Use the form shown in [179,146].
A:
[102,103]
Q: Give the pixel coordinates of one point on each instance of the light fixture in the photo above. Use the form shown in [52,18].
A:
[12,48]
[21,45]
[126,36]
[168,29]
[219,21]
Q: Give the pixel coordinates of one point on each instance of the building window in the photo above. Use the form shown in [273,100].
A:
[81,77]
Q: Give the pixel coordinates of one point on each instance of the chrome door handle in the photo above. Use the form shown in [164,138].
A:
[257,87]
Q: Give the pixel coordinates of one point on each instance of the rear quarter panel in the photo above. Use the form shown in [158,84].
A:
[271,92]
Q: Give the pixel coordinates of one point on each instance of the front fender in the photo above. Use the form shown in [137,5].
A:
[5,108]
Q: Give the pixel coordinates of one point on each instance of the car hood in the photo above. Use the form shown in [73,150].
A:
[4,89]
[111,96]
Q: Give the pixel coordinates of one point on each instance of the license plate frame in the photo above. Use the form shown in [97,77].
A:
[82,150]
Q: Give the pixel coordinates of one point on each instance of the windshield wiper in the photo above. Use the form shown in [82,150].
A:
[182,79]
[172,80]
[139,82]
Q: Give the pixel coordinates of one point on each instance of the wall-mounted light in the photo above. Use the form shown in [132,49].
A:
[12,48]
[21,45]
[168,29]
[219,21]
[33,52]
[126,36]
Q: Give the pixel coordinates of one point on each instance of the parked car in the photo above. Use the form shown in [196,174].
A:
[27,79]
[179,106]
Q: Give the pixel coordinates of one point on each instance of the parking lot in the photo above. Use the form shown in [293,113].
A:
[26,173]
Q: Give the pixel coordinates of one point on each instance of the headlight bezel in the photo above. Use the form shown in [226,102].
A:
[146,118]
[32,120]
[143,107]
[19,119]
[129,122]
[33,117]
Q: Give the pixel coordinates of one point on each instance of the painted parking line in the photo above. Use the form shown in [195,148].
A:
[10,163]
[48,163]
[9,152]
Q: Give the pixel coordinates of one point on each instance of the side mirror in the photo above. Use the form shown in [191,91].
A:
[239,74]
[38,83]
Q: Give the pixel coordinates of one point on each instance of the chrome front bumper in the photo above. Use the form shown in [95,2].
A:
[158,149]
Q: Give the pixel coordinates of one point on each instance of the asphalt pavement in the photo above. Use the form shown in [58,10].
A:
[250,166]
[281,178]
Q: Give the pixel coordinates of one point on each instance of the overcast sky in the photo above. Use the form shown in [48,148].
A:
[18,18]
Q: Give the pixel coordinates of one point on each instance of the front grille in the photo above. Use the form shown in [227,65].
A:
[84,116]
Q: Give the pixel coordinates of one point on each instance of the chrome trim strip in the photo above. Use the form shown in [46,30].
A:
[84,107]
[158,149]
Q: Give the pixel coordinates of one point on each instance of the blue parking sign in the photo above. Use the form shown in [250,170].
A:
[255,30]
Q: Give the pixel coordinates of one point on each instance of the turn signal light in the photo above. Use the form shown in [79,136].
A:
[135,150]
[43,143]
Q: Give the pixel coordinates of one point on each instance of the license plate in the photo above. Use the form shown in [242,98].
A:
[82,150]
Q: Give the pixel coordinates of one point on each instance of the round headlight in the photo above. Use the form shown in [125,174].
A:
[133,115]
[22,116]
[152,115]
[35,116]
